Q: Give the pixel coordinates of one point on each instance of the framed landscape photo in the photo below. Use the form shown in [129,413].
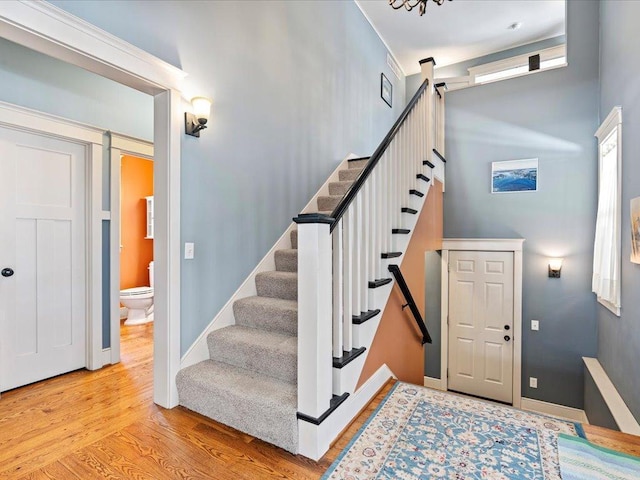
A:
[514,176]
[386,89]
[635,230]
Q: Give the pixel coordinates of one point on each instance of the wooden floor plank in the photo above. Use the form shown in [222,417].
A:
[104,425]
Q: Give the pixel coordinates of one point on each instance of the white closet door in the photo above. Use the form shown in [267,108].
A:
[481,324]
[42,241]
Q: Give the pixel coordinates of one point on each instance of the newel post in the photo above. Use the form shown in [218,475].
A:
[314,315]
[426,71]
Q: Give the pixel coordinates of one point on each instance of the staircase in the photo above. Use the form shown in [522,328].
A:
[281,361]
[253,364]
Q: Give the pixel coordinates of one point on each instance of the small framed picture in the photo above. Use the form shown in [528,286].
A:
[386,89]
[635,230]
[514,176]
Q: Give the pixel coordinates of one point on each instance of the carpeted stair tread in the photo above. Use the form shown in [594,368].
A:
[272,314]
[269,353]
[328,202]
[360,163]
[287,260]
[261,406]
[294,238]
[277,285]
[339,188]
[349,174]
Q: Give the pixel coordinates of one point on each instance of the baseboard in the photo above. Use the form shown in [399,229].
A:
[434,383]
[621,414]
[554,410]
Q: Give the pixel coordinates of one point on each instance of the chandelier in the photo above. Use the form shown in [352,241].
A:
[411,4]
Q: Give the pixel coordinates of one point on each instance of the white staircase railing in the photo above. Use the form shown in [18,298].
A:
[343,259]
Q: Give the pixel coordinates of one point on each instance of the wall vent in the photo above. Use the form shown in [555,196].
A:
[393,65]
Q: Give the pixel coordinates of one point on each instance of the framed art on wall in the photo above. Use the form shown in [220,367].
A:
[514,176]
[386,89]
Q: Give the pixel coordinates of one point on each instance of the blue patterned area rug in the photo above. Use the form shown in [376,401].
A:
[582,460]
[418,433]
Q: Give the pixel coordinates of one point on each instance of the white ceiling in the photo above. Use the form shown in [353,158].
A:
[461,30]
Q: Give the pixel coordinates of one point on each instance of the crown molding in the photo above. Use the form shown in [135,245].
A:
[48,29]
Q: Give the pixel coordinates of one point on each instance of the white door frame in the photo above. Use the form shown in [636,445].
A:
[489,245]
[45,28]
[119,145]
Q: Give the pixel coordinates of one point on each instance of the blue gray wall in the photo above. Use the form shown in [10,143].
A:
[551,116]
[619,338]
[33,80]
[296,87]
[595,406]
[433,307]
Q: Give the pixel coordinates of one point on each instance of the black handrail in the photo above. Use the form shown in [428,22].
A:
[342,207]
[395,270]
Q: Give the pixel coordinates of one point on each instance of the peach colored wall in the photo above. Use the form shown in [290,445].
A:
[398,339]
[136,252]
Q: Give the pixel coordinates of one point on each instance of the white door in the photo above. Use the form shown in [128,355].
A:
[481,324]
[42,257]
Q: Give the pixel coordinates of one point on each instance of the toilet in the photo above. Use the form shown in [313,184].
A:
[139,302]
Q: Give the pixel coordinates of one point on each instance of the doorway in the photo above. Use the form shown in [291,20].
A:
[132,238]
[481,318]
[47,29]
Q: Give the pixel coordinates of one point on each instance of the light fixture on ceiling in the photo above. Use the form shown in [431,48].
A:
[197,121]
[411,4]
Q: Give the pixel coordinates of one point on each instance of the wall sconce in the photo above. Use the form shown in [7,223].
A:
[555,266]
[196,121]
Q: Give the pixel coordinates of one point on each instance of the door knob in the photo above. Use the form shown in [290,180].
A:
[507,338]
[507,327]
[7,272]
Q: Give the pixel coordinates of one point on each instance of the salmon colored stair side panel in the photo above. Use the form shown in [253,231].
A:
[397,342]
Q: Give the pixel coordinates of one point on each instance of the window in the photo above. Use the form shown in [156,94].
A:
[515,66]
[607,246]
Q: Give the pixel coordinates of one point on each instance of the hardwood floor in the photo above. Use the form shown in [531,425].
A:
[97,425]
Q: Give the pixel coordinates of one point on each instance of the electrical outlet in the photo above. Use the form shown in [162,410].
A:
[189,250]
[535,325]
[533,382]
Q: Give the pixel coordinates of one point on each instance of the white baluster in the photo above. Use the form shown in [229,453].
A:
[386,201]
[377,204]
[337,289]
[358,255]
[365,246]
[347,283]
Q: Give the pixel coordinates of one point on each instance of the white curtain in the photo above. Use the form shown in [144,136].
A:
[606,264]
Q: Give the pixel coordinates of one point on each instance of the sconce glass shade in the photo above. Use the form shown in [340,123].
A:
[201,107]
[195,122]
[555,266]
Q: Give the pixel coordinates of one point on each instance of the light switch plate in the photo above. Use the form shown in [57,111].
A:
[535,325]
[533,382]
[189,250]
